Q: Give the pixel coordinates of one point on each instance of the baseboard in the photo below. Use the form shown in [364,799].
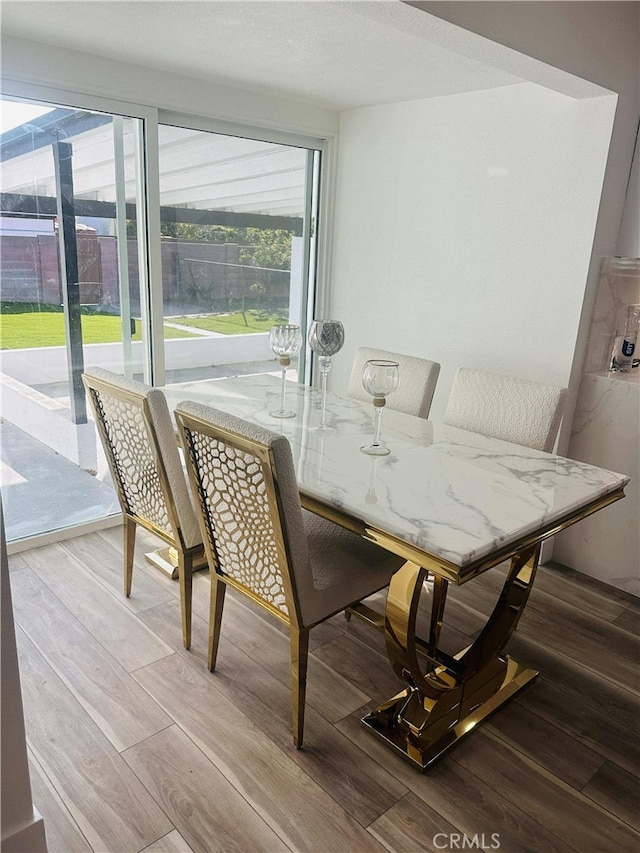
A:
[62,533]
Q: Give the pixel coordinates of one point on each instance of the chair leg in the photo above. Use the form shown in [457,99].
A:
[129,534]
[216,605]
[185,578]
[299,657]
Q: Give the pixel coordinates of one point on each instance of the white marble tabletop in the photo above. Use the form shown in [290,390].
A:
[455,494]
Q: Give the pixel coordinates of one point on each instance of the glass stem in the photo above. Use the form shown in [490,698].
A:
[325,367]
[370,497]
[376,432]
[282,392]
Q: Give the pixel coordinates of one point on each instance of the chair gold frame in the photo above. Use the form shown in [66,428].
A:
[263,514]
[162,517]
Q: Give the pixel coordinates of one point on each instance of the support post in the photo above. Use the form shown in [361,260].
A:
[69,277]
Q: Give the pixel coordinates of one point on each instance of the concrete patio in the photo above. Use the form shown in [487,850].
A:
[43,490]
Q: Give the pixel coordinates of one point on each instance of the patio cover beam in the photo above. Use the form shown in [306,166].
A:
[46,207]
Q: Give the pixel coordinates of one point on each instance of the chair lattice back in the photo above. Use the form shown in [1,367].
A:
[126,441]
[235,487]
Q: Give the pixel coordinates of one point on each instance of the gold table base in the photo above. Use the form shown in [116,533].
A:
[166,559]
[425,747]
[447,696]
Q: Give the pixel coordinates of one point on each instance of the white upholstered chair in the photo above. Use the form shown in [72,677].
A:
[516,410]
[418,378]
[140,444]
[300,567]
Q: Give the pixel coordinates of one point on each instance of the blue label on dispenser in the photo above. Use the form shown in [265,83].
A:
[628,348]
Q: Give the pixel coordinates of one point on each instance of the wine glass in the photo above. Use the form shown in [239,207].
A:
[379,378]
[285,340]
[326,338]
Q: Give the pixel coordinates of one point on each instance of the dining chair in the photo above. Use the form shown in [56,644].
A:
[515,410]
[140,444]
[418,378]
[298,566]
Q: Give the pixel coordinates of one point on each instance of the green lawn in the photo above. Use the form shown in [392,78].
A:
[46,329]
[23,327]
[233,324]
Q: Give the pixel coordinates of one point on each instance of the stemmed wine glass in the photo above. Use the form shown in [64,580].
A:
[285,340]
[379,378]
[326,338]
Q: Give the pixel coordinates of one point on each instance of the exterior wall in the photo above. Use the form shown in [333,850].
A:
[194,273]
[30,272]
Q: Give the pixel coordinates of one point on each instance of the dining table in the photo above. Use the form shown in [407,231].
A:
[453,504]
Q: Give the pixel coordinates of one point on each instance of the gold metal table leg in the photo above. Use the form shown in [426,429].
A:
[166,559]
[440,706]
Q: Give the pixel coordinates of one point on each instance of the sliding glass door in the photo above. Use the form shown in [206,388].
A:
[71,297]
[161,251]
[238,248]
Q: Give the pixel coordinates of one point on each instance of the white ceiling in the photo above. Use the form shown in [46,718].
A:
[338,54]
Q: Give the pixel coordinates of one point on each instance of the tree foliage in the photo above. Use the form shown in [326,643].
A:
[267,248]
[262,247]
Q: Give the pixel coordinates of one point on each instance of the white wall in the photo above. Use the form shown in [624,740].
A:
[596,41]
[464,227]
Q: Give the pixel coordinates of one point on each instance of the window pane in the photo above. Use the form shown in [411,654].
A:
[70,299]
[236,244]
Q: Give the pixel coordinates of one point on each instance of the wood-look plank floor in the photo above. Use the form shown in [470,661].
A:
[135,746]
